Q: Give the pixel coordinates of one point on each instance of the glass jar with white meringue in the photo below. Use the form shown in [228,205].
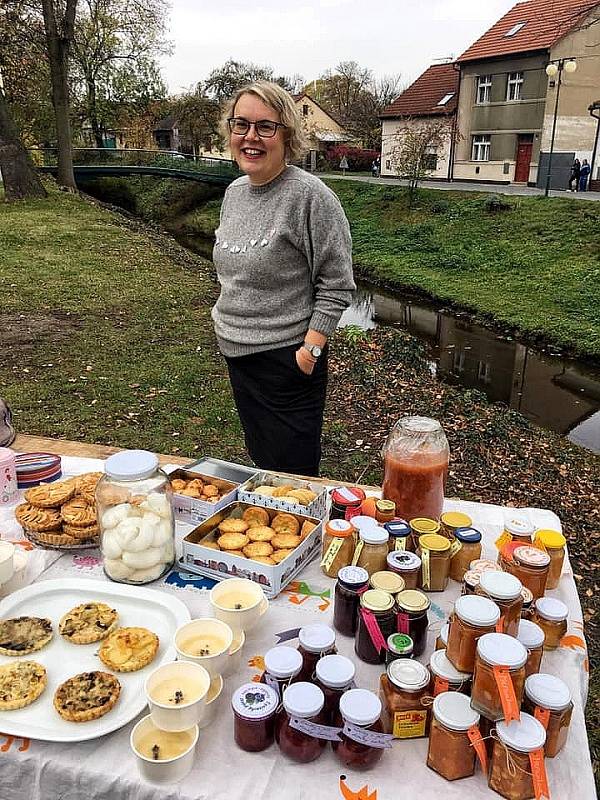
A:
[137,527]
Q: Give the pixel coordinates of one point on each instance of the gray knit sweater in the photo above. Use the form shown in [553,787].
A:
[283,256]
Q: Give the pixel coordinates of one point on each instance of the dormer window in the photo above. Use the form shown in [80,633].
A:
[515,29]
[446,98]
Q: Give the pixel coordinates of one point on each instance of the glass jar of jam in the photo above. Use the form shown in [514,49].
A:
[376,621]
[451,521]
[302,702]
[360,712]
[254,709]
[399,645]
[551,615]
[399,535]
[531,566]
[446,678]
[531,637]
[434,552]
[419,526]
[527,610]
[519,529]
[441,643]
[505,590]
[450,752]
[339,543]
[505,555]
[372,549]
[412,617]
[404,693]
[334,676]
[548,699]
[344,499]
[282,665]
[493,695]
[351,582]
[516,744]
[554,543]
[473,617]
[385,511]
[315,641]
[387,581]
[465,548]
[406,564]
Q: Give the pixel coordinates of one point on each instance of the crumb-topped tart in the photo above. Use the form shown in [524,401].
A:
[129,649]
[21,683]
[87,696]
[22,635]
[88,622]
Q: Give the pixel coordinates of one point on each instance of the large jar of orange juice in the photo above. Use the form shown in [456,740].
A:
[416,458]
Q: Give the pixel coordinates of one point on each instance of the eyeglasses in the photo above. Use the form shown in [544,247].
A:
[265,128]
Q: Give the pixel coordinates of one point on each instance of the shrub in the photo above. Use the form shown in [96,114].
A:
[496,204]
[440,207]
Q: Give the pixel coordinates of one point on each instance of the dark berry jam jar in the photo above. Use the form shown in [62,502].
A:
[316,641]
[360,711]
[304,702]
[334,676]
[254,710]
[351,582]
[282,665]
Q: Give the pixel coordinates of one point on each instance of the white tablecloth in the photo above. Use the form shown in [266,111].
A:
[104,769]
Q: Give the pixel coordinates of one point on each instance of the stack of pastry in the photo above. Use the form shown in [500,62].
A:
[287,493]
[199,489]
[61,514]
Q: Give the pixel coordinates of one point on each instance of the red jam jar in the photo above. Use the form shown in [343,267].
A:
[316,641]
[304,702]
[360,711]
[345,499]
[351,582]
[282,666]
[254,709]
[334,676]
[376,621]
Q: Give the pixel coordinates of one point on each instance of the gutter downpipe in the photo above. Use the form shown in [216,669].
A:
[454,128]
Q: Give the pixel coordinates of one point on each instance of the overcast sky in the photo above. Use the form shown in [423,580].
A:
[310,36]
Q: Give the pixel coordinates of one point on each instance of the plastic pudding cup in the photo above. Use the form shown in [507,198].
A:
[190,637]
[168,770]
[209,709]
[226,596]
[195,683]
[235,654]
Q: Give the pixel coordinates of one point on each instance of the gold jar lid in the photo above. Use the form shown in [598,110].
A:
[376,600]
[386,506]
[387,581]
[550,539]
[420,525]
[434,542]
[413,600]
[456,519]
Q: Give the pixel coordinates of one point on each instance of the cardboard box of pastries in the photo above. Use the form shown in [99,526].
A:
[244,540]
[283,493]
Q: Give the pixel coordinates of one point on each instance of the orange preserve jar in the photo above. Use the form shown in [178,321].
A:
[551,615]
[465,548]
[407,565]
[554,544]
[519,529]
[499,676]
[505,590]
[404,692]
[445,676]
[453,728]
[339,543]
[441,643]
[532,638]
[434,552]
[451,521]
[385,511]
[473,617]
[518,746]
[549,700]
[416,456]
[531,566]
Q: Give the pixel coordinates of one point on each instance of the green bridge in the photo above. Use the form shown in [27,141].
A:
[98,162]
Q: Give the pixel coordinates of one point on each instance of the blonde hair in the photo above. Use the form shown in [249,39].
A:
[276,97]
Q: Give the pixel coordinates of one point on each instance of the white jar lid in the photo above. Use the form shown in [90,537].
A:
[131,465]
[408,674]
[520,526]
[476,610]
[552,609]
[524,735]
[441,666]
[303,699]
[530,635]
[454,711]
[400,560]
[283,662]
[316,638]
[360,707]
[548,691]
[362,522]
[375,535]
[335,671]
[500,585]
[499,649]
[255,701]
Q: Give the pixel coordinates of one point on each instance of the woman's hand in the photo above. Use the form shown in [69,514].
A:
[306,363]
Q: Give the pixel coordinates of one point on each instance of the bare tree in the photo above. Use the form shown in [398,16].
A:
[413,152]
[20,178]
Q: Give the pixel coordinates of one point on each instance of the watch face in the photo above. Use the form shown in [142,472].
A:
[316,350]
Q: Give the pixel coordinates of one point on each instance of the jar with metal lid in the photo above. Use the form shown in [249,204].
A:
[434,552]
[473,617]
[551,615]
[527,609]
[451,521]
[399,645]
[351,582]
[404,693]
[505,590]
[372,549]
[454,737]
[445,676]
[532,638]
[400,535]
[548,699]
[531,566]
[517,770]
[465,548]
[334,676]
[339,543]
[282,666]
[302,703]
[412,617]
[376,621]
[554,543]
[441,642]
[406,564]
[344,499]
[385,511]
[359,713]
[137,528]
[254,710]
[499,676]
[387,581]
[419,526]
[315,641]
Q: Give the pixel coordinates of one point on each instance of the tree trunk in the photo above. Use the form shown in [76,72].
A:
[21,181]
[92,108]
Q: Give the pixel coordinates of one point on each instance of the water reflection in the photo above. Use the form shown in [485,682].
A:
[555,393]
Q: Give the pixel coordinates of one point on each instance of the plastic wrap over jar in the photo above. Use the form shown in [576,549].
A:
[416,456]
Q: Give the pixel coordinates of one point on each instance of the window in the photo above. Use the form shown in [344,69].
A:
[305,110]
[481,148]
[515,29]
[514,86]
[445,99]
[458,361]
[484,371]
[484,89]
[430,159]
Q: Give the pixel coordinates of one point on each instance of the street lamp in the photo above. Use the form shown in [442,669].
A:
[553,69]
[594,110]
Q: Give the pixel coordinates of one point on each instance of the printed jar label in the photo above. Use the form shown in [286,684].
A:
[347,494]
[409,724]
[331,553]
[455,547]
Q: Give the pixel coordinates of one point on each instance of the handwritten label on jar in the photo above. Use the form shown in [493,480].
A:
[409,724]
[538,773]
[476,740]
[425,571]
[272,682]
[365,736]
[286,636]
[455,547]
[315,730]
[503,539]
[402,621]
[542,715]
[400,543]
[377,637]
[506,690]
[332,551]
[357,553]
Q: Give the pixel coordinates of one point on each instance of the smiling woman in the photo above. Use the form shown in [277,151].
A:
[283,256]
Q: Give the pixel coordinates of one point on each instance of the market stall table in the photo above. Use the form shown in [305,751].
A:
[105,769]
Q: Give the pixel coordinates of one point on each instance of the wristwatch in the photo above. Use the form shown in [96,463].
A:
[313,349]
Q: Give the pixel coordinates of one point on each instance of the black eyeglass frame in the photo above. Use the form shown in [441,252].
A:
[256,122]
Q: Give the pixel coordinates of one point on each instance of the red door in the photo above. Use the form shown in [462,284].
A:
[524,148]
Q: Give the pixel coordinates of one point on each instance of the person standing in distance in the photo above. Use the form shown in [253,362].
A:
[283,256]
